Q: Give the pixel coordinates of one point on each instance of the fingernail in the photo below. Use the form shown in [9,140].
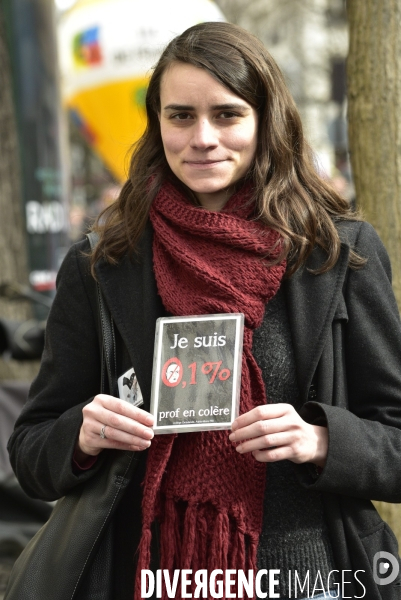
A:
[231,437]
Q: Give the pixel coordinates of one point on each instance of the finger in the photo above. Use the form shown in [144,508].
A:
[261,413]
[96,413]
[113,435]
[126,409]
[109,444]
[273,454]
[265,442]
[261,428]
[91,442]
[126,425]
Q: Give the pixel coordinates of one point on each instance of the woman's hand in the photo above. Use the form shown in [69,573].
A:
[126,427]
[276,432]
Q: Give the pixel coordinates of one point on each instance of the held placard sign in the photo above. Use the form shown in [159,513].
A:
[197,372]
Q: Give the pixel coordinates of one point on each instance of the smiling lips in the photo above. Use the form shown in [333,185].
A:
[203,163]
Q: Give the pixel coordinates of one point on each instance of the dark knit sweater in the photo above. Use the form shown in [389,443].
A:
[294,534]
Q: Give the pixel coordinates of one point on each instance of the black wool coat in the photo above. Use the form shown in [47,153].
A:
[347,342]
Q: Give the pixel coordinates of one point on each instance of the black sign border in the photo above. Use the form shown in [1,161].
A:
[154,403]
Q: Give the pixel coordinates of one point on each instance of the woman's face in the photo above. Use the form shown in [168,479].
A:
[209,134]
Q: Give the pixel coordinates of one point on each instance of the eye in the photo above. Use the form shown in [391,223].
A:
[227,115]
[182,116]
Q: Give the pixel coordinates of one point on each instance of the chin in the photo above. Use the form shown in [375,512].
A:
[212,191]
[199,188]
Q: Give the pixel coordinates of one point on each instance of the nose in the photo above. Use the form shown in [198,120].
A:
[204,135]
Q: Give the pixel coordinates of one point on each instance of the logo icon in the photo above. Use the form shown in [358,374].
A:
[86,48]
[382,573]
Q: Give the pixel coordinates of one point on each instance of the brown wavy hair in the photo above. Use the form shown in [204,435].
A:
[290,196]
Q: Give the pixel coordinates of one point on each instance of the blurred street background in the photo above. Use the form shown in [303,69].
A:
[73,79]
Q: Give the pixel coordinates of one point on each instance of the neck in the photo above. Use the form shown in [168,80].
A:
[215,201]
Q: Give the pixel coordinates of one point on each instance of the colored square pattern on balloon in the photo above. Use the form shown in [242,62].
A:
[86,48]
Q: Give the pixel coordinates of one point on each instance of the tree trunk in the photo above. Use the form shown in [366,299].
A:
[13,267]
[374,113]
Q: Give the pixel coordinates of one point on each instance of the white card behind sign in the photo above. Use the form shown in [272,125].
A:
[128,388]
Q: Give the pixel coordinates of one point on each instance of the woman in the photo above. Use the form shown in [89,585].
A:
[224,212]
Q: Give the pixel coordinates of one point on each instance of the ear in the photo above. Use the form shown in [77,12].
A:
[159,116]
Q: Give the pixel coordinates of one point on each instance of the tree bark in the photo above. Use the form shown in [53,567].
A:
[13,256]
[374,114]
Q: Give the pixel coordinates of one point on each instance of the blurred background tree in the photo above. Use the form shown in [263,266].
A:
[374,108]
[374,112]
[13,255]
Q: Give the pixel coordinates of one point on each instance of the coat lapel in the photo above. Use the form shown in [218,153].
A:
[312,301]
[131,294]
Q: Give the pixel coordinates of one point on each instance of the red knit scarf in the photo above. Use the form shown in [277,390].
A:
[207,497]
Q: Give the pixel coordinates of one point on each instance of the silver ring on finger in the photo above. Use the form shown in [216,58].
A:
[102,433]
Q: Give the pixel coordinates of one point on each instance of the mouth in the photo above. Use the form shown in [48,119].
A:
[203,163]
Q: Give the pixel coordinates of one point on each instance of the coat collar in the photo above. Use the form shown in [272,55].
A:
[131,294]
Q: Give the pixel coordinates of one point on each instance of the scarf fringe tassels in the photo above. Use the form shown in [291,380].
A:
[221,544]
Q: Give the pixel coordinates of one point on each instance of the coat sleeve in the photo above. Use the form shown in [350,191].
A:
[364,456]
[43,441]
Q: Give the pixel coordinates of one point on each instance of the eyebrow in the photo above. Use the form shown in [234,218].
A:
[229,106]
